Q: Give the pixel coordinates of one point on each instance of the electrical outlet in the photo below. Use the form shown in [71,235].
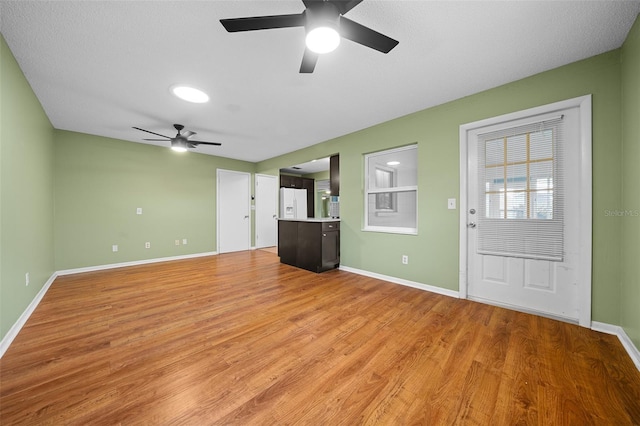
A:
[177,242]
[451,203]
[26,279]
[184,241]
[405,259]
[114,248]
[147,245]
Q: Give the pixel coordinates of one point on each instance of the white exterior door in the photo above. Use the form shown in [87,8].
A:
[266,210]
[506,189]
[234,211]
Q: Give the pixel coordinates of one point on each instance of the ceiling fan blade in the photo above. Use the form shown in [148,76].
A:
[157,140]
[366,36]
[205,143]
[187,133]
[153,133]
[233,25]
[190,145]
[308,61]
[344,5]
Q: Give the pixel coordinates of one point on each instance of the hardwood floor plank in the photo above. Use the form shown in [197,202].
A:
[241,339]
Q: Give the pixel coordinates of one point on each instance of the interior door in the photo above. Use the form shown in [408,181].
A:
[234,208]
[547,286]
[266,210]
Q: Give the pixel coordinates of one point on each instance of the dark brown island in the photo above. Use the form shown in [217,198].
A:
[312,244]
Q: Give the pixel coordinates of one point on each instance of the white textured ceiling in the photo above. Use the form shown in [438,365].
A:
[101,67]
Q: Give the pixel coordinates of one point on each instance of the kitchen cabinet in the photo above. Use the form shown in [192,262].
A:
[311,245]
[287,181]
[309,185]
[334,174]
[288,241]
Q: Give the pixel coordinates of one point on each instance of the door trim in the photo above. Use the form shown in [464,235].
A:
[583,103]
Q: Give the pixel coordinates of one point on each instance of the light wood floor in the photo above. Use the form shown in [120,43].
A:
[241,339]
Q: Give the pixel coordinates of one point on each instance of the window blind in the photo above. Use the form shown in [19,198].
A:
[521,191]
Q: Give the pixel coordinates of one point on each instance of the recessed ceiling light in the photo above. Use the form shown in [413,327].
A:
[393,163]
[190,94]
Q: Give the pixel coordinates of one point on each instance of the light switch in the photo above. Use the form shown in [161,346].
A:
[451,203]
[139,210]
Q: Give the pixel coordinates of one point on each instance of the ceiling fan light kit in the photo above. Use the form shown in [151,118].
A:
[322,22]
[322,40]
[178,145]
[324,25]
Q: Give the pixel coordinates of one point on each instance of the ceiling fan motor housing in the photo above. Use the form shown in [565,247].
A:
[322,14]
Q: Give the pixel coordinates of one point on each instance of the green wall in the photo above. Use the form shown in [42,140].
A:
[433,253]
[26,192]
[630,288]
[99,184]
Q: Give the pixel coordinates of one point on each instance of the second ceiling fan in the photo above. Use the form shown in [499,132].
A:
[324,21]
[181,141]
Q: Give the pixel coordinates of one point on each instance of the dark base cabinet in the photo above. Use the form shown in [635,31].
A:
[287,241]
[314,246]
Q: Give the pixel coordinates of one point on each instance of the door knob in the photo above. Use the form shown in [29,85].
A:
[471,225]
[246,217]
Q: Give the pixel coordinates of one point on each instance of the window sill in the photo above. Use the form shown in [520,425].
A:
[389,230]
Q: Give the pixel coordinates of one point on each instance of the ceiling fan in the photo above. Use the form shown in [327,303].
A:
[324,25]
[181,141]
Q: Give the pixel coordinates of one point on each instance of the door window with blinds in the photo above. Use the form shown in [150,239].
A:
[521,200]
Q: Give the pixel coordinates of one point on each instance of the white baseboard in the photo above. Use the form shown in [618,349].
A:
[426,287]
[17,326]
[631,349]
[132,263]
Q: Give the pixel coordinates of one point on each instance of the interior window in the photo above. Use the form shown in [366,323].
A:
[391,190]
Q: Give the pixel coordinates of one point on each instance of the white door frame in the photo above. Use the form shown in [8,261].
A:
[218,204]
[583,103]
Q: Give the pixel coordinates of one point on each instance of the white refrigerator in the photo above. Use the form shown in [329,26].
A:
[293,203]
